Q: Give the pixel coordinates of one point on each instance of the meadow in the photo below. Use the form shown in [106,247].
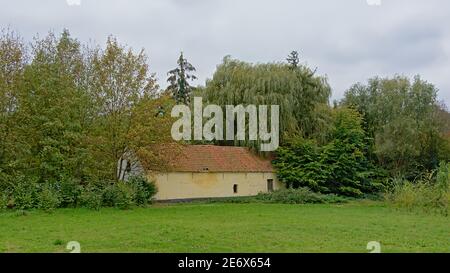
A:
[230,228]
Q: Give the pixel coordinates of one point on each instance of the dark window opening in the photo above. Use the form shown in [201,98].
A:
[270,185]
[235,188]
[128,167]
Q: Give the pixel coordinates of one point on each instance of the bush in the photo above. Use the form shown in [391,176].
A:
[338,166]
[119,194]
[70,191]
[24,193]
[109,195]
[137,190]
[4,181]
[429,195]
[144,190]
[125,195]
[48,198]
[4,201]
[298,196]
[234,200]
[291,196]
[91,197]
[286,196]
[334,199]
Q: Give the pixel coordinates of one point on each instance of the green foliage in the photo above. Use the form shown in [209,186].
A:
[144,190]
[136,190]
[68,113]
[4,201]
[69,190]
[299,196]
[404,122]
[121,80]
[430,194]
[109,195]
[293,59]
[49,129]
[124,196]
[91,198]
[48,197]
[298,92]
[12,63]
[339,166]
[179,80]
[443,177]
[24,193]
[118,194]
[286,196]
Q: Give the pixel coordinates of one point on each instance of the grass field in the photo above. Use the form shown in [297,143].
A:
[227,228]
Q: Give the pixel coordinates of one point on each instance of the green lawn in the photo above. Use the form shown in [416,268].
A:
[227,228]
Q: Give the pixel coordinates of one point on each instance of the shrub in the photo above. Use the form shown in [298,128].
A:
[4,200]
[235,200]
[291,196]
[286,196]
[144,190]
[427,194]
[24,193]
[443,177]
[91,197]
[48,197]
[109,195]
[298,196]
[4,181]
[334,199]
[119,195]
[338,166]
[70,191]
[125,195]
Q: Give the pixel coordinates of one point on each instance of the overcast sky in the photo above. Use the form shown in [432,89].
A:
[348,40]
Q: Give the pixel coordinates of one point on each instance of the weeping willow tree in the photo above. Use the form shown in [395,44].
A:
[299,93]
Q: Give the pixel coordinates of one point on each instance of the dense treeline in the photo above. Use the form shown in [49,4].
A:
[389,128]
[338,165]
[70,112]
[401,119]
[298,92]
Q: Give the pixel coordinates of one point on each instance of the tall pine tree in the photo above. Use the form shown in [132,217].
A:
[293,59]
[179,80]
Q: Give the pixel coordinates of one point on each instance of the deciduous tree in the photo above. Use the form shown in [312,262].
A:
[121,81]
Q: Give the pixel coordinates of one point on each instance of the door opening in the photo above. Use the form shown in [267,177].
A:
[270,185]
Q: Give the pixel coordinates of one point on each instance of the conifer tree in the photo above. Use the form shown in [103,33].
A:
[179,80]
[293,59]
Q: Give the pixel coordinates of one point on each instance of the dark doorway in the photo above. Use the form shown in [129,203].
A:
[235,188]
[270,185]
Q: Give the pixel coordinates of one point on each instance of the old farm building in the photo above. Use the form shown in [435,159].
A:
[207,171]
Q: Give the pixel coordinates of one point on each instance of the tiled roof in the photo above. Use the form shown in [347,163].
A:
[210,158]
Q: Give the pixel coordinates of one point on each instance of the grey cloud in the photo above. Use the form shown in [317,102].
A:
[347,40]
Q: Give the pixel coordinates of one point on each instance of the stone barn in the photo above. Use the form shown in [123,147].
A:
[207,171]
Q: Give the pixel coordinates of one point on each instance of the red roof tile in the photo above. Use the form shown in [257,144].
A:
[210,158]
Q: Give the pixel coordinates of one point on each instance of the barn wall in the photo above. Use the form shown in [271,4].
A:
[184,185]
